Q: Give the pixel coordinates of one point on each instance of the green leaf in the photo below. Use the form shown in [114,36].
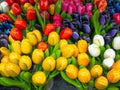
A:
[95,22]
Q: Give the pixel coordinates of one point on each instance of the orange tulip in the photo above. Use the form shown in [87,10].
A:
[113,75]
[83,59]
[82,46]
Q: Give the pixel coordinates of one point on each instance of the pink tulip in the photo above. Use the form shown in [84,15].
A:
[65,6]
[57,17]
[88,7]
[57,24]
[81,9]
[116,17]
[47,15]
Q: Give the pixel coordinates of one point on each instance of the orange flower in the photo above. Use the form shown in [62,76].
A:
[82,46]
[83,59]
[72,71]
[113,75]
[101,4]
[116,65]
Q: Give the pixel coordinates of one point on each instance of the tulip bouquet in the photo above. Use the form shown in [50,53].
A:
[77,39]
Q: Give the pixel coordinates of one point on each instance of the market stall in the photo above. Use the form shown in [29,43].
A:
[60,44]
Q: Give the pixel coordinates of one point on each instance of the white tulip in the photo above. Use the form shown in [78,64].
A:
[4,6]
[108,63]
[109,53]
[98,40]
[94,50]
[1,8]
[116,43]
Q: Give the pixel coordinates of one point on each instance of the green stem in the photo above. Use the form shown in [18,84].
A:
[12,16]
[40,88]
[44,19]
[36,88]
[27,88]
[39,17]
[10,82]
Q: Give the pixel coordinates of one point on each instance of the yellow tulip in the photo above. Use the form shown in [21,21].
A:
[68,51]
[37,56]
[10,39]
[48,63]
[4,51]
[72,71]
[61,63]
[53,38]
[12,69]
[5,59]
[32,38]
[38,35]
[26,5]
[51,9]
[101,83]
[84,75]
[63,43]
[14,57]
[3,71]
[16,45]
[96,71]
[26,47]
[39,78]
[25,62]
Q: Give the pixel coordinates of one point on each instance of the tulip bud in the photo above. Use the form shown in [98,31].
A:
[5,6]
[113,75]
[53,38]
[81,9]
[68,51]
[57,24]
[108,63]
[65,6]
[94,50]
[109,53]
[47,16]
[48,64]
[51,9]
[101,83]
[98,40]
[116,43]
[57,17]
[96,71]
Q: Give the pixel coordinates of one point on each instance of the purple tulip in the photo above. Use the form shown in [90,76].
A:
[57,17]
[75,35]
[86,37]
[3,42]
[86,28]
[112,32]
[88,7]
[107,38]
[81,9]
[102,19]
[3,35]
